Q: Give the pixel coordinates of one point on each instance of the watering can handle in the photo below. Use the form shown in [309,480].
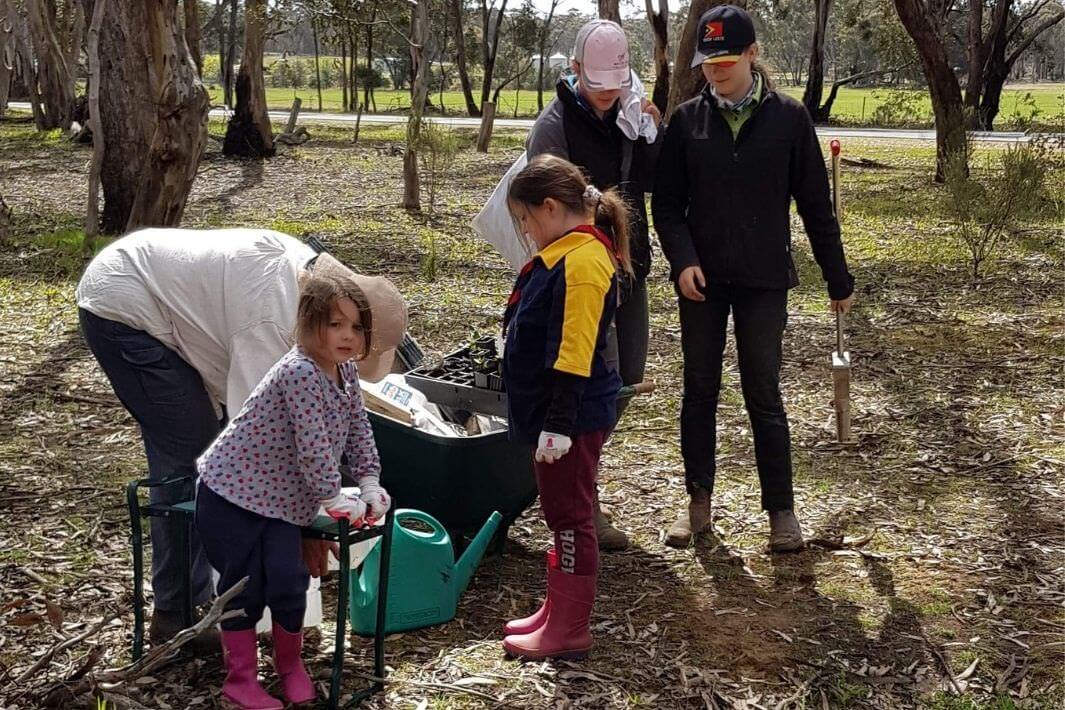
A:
[366,583]
[438,530]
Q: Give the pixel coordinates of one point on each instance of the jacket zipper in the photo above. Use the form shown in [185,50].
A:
[734,141]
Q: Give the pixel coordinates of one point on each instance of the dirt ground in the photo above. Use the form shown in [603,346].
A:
[935,577]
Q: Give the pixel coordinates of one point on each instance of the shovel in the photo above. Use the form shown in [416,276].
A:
[841,359]
[836,206]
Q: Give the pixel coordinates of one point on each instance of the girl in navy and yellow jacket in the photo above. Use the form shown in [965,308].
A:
[561,388]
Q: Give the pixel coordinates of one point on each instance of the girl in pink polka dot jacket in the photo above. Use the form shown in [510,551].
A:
[272,467]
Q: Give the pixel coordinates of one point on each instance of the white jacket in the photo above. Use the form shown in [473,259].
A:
[225,300]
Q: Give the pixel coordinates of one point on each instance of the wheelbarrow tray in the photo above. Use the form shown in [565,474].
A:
[460,481]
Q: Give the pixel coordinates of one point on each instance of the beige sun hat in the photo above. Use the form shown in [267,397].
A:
[388,311]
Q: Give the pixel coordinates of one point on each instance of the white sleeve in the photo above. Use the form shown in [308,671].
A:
[252,352]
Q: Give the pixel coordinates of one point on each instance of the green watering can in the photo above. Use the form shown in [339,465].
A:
[425,583]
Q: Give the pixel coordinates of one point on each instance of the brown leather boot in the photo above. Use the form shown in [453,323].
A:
[691,522]
[785,535]
[610,538]
[166,624]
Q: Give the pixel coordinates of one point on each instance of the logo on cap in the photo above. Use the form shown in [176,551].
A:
[714,31]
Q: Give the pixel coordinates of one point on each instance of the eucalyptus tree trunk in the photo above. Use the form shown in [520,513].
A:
[54,78]
[152,115]
[419,37]
[249,133]
[192,32]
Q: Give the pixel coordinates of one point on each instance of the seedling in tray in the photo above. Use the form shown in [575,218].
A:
[487,367]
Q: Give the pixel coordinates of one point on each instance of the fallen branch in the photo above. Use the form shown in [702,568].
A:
[62,694]
[943,662]
[32,575]
[842,543]
[46,659]
[866,163]
[297,137]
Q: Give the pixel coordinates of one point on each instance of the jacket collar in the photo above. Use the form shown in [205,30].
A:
[749,100]
[765,94]
[553,252]
[570,97]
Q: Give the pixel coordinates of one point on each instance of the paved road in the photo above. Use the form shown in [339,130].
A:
[525,124]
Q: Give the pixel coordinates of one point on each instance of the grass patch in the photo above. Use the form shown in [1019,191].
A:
[945,701]
[853,106]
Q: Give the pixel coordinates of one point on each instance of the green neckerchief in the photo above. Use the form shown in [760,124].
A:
[736,115]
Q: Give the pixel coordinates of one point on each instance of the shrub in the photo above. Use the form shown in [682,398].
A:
[899,107]
[983,211]
[1025,112]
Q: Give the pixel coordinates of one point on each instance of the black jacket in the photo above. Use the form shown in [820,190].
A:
[569,130]
[724,204]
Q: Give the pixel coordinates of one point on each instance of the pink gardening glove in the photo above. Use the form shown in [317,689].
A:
[343,506]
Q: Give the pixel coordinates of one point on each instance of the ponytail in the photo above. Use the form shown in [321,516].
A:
[612,211]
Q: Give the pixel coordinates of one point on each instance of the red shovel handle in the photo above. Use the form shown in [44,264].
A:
[834,145]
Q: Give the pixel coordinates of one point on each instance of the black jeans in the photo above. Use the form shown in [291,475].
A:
[630,336]
[177,420]
[759,316]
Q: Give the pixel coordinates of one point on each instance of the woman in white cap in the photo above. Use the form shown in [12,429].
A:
[185,323]
[734,158]
[586,124]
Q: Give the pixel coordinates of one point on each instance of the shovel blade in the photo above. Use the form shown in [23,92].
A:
[841,399]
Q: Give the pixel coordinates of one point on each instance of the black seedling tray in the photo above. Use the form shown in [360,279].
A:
[455,382]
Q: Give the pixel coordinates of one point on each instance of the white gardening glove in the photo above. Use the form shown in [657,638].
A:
[344,506]
[552,447]
[376,498]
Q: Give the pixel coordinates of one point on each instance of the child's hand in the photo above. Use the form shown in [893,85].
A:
[376,497]
[552,447]
[342,506]
[316,555]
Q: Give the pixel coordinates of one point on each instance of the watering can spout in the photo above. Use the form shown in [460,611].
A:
[467,564]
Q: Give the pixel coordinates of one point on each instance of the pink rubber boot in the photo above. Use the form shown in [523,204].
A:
[295,682]
[241,688]
[565,634]
[537,619]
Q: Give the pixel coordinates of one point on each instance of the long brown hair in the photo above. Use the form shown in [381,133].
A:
[318,293]
[551,176]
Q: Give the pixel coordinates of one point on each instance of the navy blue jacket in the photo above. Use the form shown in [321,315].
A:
[556,323]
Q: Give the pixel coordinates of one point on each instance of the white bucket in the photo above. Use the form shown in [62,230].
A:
[311,617]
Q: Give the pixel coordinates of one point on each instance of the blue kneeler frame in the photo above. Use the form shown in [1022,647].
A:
[323,528]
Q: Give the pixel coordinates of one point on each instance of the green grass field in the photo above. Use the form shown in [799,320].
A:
[852,106]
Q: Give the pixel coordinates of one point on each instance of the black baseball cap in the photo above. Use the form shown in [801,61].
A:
[724,32]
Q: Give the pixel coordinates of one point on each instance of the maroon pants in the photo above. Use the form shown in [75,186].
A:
[567,497]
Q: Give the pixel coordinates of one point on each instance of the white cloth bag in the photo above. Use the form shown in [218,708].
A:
[495,225]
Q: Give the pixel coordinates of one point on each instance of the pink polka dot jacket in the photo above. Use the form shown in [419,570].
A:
[280,456]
